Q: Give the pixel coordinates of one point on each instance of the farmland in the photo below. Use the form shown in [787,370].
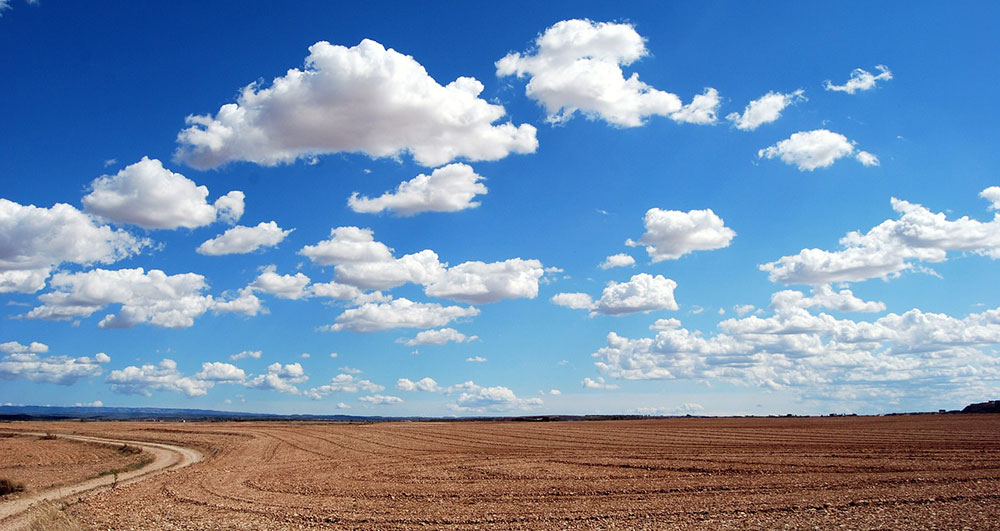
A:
[907,471]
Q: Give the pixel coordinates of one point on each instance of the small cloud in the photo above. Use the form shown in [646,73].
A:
[305,355]
[333,355]
[476,359]
[349,370]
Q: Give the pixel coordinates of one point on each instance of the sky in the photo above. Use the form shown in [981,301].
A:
[714,208]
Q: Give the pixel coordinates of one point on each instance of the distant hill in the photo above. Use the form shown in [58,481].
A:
[155,413]
[993,406]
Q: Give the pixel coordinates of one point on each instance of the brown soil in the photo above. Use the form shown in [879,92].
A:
[41,463]
[903,472]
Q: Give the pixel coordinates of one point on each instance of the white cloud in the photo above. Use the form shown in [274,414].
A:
[743,309]
[381,400]
[343,383]
[424,384]
[255,354]
[361,261]
[150,196]
[305,355]
[95,403]
[765,109]
[992,194]
[823,296]
[172,301]
[35,240]
[888,249]
[279,378]
[448,189]
[476,359]
[498,398]
[440,337]
[284,286]
[576,66]
[671,234]
[399,313]
[220,372]
[482,283]
[642,293]
[364,99]
[13,347]
[618,260]
[555,392]
[702,109]
[916,353]
[164,376]
[808,150]
[242,240]
[861,80]
[599,383]
[23,362]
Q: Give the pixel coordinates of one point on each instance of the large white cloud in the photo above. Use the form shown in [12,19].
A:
[671,234]
[893,246]
[448,189]
[399,313]
[361,261]
[164,376]
[363,99]
[992,194]
[820,148]
[482,283]
[576,66]
[344,383]
[764,110]
[381,400]
[424,384]
[153,297]
[642,293]
[242,240]
[861,80]
[23,361]
[440,336]
[150,196]
[281,378]
[34,240]
[915,353]
[497,398]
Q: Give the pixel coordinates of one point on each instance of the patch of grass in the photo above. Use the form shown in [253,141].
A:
[129,450]
[47,516]
[8,486]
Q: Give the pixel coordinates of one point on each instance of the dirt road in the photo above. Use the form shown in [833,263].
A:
[165,457]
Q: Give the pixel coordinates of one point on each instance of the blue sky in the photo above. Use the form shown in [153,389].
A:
[815,232]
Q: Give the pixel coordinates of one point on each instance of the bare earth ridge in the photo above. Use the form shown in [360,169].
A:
[898,472]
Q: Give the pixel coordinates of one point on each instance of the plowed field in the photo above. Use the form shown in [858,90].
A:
[901,472]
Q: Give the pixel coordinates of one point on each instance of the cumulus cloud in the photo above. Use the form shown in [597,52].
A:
[283,286]
[576,66]
[642,293]
[483,283]
[164,376]
[399,313]
[35,240]
[992,194]
[861,80]
[618,260]
[150,196]
[915,352]
[824,296]
[255,354]
[172,301]
[448,189]
[440,337]
[279,378]
[599,383]
[363,99]
[381,400]
[893,246]
[671,234]
[808,150]
[242,240]
[498,398]
[424,384]
[343,383]
[765,109]
[220,372]
[361,261]
[23,362]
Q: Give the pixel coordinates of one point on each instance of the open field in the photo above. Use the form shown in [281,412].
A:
[901,472]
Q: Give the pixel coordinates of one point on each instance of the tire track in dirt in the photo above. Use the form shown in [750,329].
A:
[165,457]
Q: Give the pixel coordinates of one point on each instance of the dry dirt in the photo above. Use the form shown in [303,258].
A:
[41,463]
[900,472]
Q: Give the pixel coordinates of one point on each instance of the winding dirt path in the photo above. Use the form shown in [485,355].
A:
[165,457]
